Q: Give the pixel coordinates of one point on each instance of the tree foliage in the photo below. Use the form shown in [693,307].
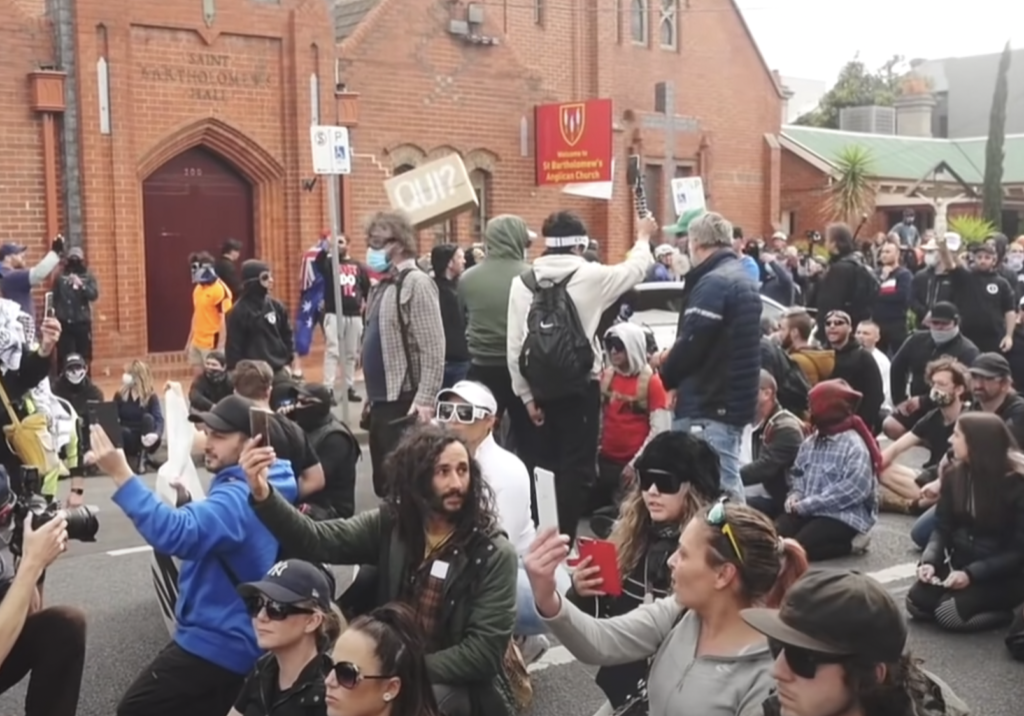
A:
[852,193]
[992,189]
[972,229]
[856,87]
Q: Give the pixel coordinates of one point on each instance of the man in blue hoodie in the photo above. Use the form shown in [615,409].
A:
[221,543]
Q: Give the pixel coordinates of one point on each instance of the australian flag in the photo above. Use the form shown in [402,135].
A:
[309,300]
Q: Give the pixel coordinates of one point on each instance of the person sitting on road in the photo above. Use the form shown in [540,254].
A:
[971,574]
[212,385]
[832,503]
[729,558]
[221,545]
[75,385]
[775,442]
[436,531]
[296,624]
[677,475]
[839,641]
[902,487]
[140,415]
[378,667]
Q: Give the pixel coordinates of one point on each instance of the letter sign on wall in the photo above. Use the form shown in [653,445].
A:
[432,192]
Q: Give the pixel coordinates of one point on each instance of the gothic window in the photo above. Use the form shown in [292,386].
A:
[669,24]
[638,21]
[481,181]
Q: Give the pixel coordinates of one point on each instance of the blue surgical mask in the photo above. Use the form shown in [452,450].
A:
[377,260]
[945,336]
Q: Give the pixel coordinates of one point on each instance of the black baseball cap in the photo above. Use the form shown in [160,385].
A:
[293,581]
[230,415]
[990,365]
[316,391]
[837,612]
[983,247]
[944,311]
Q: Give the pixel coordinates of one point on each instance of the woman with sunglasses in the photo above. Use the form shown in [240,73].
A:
[378,668]
[296,623]
[664,497]
[706,660]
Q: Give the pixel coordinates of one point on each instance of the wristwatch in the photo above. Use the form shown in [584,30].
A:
[77,491]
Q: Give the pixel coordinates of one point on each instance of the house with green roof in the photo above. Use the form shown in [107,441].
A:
[910,171]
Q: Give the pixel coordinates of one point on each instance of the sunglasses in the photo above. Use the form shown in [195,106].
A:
[459,413]
[836,322]
[803,662]
[349,676]
[668,483]
[716,518]
[276,611]
[614,344]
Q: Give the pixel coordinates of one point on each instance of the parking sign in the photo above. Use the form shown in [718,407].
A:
[331,151]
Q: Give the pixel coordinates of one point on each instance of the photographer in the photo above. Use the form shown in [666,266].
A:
[48,643]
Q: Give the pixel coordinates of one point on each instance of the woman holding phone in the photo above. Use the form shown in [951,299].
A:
[677,475]
[706,660]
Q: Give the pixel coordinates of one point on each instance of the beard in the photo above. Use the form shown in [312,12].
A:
[445,504]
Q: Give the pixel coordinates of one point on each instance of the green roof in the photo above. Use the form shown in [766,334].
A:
[912,158]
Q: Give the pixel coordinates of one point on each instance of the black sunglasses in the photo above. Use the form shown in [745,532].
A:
[348,675]
[803,662]
[614,344]
[668,483]
[832,322]
[276,611]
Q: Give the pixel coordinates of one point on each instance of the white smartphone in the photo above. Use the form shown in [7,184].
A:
[547,500]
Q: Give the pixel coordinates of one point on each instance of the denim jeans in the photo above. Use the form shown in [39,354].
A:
[726,441]
[454,371]
[528,621]
[922,530]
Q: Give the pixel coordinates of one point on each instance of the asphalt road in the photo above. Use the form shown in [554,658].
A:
[111,581]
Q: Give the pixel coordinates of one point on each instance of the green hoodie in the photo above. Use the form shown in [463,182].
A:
[484,289]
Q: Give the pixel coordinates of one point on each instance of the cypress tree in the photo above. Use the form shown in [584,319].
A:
[992,190]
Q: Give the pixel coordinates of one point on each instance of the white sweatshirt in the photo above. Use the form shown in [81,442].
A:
[509,480]
[593,289]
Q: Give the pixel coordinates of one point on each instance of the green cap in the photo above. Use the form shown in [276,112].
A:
[683,225]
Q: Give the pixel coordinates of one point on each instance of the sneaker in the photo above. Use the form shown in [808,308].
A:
[861,544]
[533,647]
[353,396]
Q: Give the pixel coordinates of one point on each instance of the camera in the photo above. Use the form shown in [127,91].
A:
[29,503]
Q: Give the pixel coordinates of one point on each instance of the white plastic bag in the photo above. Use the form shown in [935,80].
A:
[178,470]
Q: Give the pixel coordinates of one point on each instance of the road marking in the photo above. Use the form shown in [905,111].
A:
[559,655]
[129,550]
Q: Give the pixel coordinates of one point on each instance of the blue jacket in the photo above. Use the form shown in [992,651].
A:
[206,535]
[715,362]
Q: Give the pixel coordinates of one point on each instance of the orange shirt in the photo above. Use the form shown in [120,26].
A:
[209,304]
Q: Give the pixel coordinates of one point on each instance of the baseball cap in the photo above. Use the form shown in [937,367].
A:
[292,581]
[74,360]
[230,415]
[316,391]
[663,250]
[945,311]
[990,365]
[682,226]
[983,247]
[476,394]
[837,612]
[10,249]
[780,235]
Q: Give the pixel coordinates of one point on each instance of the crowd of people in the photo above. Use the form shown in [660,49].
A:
[720,469]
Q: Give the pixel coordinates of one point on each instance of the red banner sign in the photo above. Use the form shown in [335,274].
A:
[573,142]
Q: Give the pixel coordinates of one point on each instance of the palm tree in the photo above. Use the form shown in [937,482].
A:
[972,229]
[852,193]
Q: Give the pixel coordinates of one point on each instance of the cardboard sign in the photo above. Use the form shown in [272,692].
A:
[573,142]
[432,192]
[687,194]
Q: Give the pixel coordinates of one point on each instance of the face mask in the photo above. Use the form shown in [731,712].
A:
[944,336]
[377,260]
[204,274]
[941,398]
[1015,262]
[75,376]
[127,379]
[215,376]
[931,258]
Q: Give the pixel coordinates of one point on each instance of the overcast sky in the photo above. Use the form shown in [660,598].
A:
[813,39]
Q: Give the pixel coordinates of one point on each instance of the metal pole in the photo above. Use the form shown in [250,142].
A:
[332,205]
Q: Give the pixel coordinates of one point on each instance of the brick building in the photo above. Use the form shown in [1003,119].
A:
[145,131]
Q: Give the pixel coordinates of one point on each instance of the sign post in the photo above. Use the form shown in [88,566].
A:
[332,156]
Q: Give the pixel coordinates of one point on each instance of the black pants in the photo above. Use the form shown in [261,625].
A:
[51,651]
[767,506]
[176,683]
[132,437]
[821,537]
[74,338]
[388,423]
[568,447]
[452,700]
[608,489]
[892,336]
[975,608]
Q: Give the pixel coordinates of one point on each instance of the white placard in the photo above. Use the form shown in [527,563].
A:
[687,194]
[331,151]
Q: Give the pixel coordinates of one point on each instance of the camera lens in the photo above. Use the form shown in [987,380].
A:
[82,523]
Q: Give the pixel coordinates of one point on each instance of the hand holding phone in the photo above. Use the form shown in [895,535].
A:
[547,499]
[259,424]
[600,556]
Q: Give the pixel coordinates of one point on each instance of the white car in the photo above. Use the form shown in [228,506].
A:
[657,304]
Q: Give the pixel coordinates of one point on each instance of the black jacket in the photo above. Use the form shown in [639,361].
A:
[986,549]
[78,395]
[775,445]
[914,355]
[927,289]
[228,273]
[205,393]
[453,317]
[71,304]
[339,454]
[837,291]
[260,695]
[258,329]
[858,368]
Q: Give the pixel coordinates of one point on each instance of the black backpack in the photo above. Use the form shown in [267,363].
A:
[557,356]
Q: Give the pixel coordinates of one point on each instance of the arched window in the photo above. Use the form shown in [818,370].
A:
[669,24]
[638,21]
[481,181]
[402,169]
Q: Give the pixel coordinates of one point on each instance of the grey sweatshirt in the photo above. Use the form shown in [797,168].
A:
[680,684]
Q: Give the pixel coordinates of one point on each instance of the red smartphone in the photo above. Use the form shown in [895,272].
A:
[603,555]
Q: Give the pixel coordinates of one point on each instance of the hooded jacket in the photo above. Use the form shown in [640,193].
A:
[453,315]
[211,537]
[816,363]
[484,289]
[258,327]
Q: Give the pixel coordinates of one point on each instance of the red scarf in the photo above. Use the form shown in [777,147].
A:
[833,406]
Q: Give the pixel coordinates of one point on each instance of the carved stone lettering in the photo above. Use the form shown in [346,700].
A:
[208,76]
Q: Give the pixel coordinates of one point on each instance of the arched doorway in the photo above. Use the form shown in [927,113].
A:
[192,203]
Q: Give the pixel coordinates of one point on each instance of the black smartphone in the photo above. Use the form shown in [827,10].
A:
[105,415]
[48,310]
[259,424]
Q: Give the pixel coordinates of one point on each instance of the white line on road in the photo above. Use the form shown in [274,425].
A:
[129,550]
[559,655]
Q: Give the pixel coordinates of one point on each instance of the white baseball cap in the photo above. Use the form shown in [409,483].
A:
[476,394]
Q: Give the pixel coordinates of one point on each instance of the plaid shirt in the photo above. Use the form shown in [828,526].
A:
[425,335]
[833,477]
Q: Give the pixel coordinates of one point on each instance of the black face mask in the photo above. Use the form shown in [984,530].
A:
[216,376]
[310,415]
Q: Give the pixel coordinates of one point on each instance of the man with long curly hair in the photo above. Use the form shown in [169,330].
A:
[435,545]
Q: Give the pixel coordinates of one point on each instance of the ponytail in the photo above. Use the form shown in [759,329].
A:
[331,626]
[792,566]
